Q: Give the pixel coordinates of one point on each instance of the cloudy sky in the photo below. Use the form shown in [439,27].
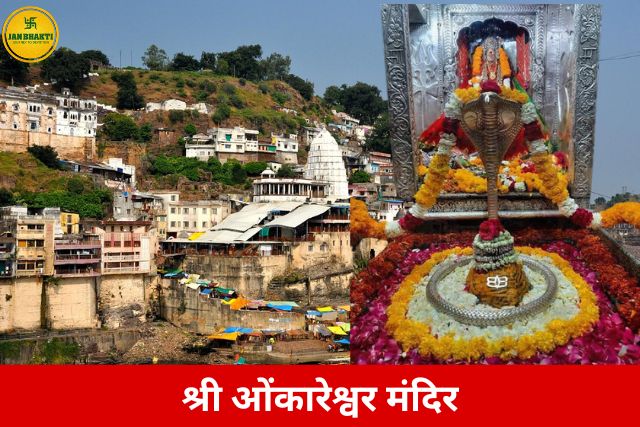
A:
[335,42]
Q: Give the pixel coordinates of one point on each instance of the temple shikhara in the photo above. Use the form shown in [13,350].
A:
[498,257]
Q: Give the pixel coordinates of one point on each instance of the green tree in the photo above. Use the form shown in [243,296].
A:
[359,177]
[6,197]
[75,185]
[184,62]
[145,132]
[119,127]
[333,96]
[380,137]
[275,67]
[208,61]
[363,101]
[238,174]
[47,155]
[155,58]
[222,113]
[286,171]
[96,55]
[255,168]
[66,68]
[243,62]
[190,129]
[176,116]
[128,97]
[12,69]
[304,87]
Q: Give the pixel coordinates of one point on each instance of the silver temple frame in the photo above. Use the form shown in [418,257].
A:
[420,47]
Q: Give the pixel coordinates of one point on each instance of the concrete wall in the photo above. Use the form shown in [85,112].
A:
[69,304]
[249,275]
[72,303]
[337,244]
[185,308]
[68,147]
[363,250]
[122,299]
[329,289]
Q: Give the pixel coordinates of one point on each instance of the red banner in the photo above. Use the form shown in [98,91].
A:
[141,395]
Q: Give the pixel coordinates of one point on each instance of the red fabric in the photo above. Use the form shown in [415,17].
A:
[561,159]
[517,147]
[490,86]
[463,62]
[490,229]
[522,60]
[450,125]
[431,135]
[582,217]
[410,222]
[532,131]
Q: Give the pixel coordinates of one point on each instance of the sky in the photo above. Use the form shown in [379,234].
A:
[335,42]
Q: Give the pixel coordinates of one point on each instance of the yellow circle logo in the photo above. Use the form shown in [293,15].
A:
[30,34]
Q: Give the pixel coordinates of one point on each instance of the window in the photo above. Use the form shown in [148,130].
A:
[204,224]
[185,224]
[173,223]
[65,115]
[173,198]
[204,210]
[185,210]
[16,107]
[215,211]
[49,130]
[310,248]
[15,126]
[227,146]
[238,146]
[195,224]
[33,125]
[173,210]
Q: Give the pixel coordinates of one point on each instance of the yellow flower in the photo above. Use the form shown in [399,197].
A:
[628,212]
[467,94]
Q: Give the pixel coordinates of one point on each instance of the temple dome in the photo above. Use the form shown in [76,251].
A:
[325,164]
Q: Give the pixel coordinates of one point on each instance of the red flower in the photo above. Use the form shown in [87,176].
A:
[450,125]
[490,86]
[532,131]
[561,159]
[490,229]
[528,167]
[582,217]
[410,222]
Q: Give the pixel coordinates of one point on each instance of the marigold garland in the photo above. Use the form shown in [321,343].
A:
[362,225]
[628,212]
[413,334]
[467,94]
[504,64]
[514,95]
[553,185]
[433,181]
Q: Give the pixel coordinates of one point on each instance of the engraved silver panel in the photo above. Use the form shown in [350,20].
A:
[564,51]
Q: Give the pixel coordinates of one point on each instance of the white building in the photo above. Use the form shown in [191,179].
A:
[286,148]
[61,114]
[269,188]
[325,164]
[186,217]
[120,166]
[76,116]
[201,146]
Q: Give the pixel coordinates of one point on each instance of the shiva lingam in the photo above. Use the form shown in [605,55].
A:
[492,122]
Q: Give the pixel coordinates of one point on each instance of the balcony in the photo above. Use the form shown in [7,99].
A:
[78,244]
[61,259]
[129,269]
[76,272]
[120,258]
[30,234]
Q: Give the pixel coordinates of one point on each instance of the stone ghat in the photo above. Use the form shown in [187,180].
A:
[188,309]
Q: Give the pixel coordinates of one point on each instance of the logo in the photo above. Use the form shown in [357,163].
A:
[30,34]
[497,282]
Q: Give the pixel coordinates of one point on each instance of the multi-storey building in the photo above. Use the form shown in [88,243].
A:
[127,246]
[237,143]
[77,255]
[269,188]
[63,121]
[194,216]
[201,146]
[286,148]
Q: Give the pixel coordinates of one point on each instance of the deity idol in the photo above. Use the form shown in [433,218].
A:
[490,63]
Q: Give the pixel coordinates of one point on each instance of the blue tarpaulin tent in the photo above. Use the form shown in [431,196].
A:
[343,341]
[238,329]
[280,307]
[206,291]
[313,313]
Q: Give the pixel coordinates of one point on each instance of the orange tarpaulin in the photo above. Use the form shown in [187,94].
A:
[239,303]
